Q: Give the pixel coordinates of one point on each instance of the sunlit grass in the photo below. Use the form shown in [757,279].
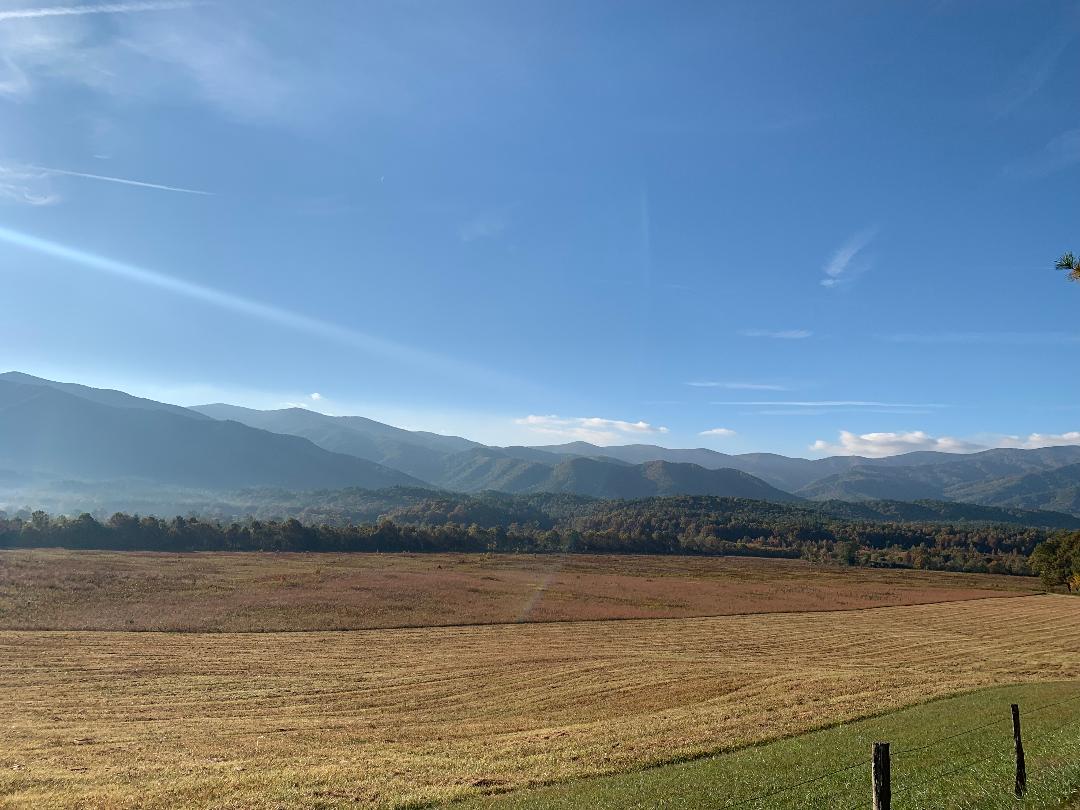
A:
[931,768]
[390,718]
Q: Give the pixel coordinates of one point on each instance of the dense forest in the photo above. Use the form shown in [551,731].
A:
[413,520]
[409,505]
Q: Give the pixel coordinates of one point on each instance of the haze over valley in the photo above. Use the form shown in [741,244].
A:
[58,436]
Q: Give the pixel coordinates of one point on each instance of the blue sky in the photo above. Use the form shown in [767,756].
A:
[796,227]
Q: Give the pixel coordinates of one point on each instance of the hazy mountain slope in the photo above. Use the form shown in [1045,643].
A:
[536,454]
[601,479]
[780,471]
[872,484]
[358,425]
[973,477]
[489,468]
[103,396]
[53,428]
[642,453]
[417,453]
[1057,489]
[423,438]
[927,472]
[47,430]
[790,473]
[320,429]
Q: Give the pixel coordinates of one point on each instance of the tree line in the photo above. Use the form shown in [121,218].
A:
[673,526]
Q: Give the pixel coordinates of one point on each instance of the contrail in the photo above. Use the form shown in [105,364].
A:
[104,8]
[122,180]
[266,312]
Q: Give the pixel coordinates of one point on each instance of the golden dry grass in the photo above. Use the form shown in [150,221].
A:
[392,717]
[96,590]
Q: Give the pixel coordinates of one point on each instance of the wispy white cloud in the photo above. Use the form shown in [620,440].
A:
[845,263]
[212,52]
[483,226]
[315,396]
[781,334]
[224,62]
[25,185]
[13,80]
[589,429]
[1036,70]
[65,48]
[738,386]
[102,8]
[831,403]
[878,445]
[1033,440]
[720,432]
[121,180]
[1061,152]
[1004,338]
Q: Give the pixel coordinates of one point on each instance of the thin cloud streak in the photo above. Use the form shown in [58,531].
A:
[1061,152]
[1002,338]
[104,8]
[833,411]
[839,268]
[1033,74]
[782,334]
[123,181]
[832,403]
[245,306]
[735,386]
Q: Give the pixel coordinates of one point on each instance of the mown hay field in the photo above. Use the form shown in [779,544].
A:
[55,589]
[954,752]
[402,717]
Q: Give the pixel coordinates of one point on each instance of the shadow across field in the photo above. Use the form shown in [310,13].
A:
[56,589]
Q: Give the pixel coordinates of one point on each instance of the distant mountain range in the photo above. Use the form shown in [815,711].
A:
[55,431]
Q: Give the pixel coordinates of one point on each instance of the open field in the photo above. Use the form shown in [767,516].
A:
[400,717]
[238,592]
[935,764]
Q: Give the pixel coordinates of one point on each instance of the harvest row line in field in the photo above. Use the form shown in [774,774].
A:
[387,716]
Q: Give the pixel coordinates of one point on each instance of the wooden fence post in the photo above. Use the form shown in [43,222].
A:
[1021,768]
[880,777]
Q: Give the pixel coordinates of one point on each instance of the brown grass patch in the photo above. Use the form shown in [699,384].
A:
[388,717]
[87,590]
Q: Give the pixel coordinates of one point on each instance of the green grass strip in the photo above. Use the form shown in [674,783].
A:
[949,754]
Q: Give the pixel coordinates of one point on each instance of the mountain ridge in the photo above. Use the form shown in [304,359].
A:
[67,429]
[47,430]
